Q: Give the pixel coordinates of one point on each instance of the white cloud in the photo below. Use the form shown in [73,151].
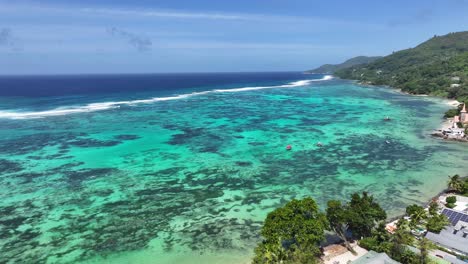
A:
[168,14]
[244,46]
[132,14]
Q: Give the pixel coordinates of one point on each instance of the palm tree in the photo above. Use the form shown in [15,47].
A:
[433,208]
[424,247]
[401,238]
[419,215]
[455,183]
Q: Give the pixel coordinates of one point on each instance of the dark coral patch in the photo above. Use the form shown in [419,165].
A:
[76,178]
[127,137]
[92,143]
[7,166]
[243,163]
[186,136]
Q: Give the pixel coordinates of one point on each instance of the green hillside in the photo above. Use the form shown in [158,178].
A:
[331,68]
[438,67]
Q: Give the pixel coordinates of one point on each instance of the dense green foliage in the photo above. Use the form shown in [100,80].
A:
[431,220]
[379,241]
[451,199]
[292,234]
[364,212]
[417,214]
[451,113]
[331,68]
[395,245]
[424,247]
[436,223]
[359,217]
[458,184]
[433,208]
[438,67]
[338,217]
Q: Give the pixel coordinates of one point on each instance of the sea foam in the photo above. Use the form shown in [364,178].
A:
[92,107]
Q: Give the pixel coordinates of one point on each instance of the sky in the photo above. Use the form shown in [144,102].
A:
[151,36]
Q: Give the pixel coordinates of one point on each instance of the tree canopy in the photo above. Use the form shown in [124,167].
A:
[364,213]
[331,68]
[438,67]
[338,216]
[292,233]
[458,184]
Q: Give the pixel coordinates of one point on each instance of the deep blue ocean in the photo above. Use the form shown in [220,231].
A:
[61,85]
[61,90]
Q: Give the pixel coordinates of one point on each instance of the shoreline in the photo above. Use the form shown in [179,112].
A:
[445,124]
[424,204]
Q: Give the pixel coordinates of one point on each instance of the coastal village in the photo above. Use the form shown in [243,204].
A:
[450,244]
[456,127]
[459,123]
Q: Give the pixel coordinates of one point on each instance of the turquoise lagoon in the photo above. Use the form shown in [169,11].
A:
[190,179]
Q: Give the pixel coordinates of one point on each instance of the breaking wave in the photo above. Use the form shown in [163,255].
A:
[92,107]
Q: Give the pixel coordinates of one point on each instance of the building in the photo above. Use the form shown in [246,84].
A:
[373,257]
[462,118]
[455,236]
[464,115]
[454,132]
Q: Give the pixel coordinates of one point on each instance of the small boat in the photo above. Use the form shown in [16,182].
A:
[387,118]
[386,141]
[319,144]
[288,147]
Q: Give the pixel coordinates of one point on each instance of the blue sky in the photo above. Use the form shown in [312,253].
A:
[62,37]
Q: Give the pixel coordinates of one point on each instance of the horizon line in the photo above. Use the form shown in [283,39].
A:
[143,73]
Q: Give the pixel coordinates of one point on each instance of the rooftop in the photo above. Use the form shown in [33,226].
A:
[373,257]
[448,239]
[455,216]
[454,237]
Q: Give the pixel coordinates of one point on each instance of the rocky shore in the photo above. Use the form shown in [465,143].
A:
[440,134]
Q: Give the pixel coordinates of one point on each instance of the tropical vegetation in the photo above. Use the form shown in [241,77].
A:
[396,244]
[292,233]
[450,201]
[437,67]
[458,184]
[331,68]
[430,220]
[355,219]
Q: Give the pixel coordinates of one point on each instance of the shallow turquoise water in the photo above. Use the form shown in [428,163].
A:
[191,180]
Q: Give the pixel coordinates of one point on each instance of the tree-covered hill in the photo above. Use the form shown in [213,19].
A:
[438,67]
[331,68]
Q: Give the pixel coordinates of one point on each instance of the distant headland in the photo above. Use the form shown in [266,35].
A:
[332,68]
[437,67]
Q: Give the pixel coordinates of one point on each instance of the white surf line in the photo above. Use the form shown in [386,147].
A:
[110,105]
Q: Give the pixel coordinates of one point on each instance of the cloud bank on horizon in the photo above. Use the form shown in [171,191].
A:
[49,37]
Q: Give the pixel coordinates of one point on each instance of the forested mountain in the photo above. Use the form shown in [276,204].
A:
[331,68]
[438,67]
